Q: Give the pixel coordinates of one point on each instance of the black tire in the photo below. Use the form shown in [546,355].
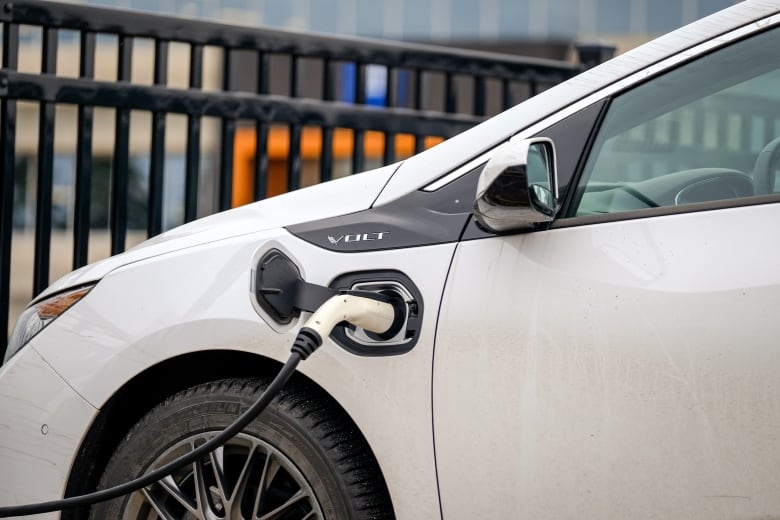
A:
[324,468]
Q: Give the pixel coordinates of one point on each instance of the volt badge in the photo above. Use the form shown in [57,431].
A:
[357,237]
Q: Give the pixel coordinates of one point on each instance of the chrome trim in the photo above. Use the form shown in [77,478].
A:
[460,170]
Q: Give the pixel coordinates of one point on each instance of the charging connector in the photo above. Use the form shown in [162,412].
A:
[370,311]
[373,312]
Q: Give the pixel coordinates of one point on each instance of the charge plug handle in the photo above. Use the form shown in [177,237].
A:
[373,312]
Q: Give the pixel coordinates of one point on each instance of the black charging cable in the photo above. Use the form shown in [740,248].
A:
[366,311]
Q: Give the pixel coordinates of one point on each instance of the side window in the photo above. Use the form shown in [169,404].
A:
[706,131]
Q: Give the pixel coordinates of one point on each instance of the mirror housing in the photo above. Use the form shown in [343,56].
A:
[517,189]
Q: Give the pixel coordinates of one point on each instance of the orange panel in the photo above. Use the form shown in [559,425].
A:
[311,148]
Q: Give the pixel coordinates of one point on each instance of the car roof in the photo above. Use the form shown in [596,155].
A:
[422,169]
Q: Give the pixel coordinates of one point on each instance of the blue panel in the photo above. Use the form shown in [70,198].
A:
[613,16]
[513,18]
[347,91]
[376,85]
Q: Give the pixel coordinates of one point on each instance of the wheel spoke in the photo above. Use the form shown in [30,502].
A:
[202,496]
[272,515]
[159,504]
[217,458]
[243,480]
[270,469]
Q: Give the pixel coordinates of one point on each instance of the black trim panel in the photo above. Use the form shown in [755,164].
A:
[572,137]
[417,219]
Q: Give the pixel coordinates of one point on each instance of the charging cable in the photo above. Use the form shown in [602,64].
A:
[370,311]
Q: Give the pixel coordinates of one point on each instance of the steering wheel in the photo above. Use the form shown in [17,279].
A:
[767,163]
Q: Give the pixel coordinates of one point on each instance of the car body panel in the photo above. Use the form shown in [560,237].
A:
[625,370]
[40,433]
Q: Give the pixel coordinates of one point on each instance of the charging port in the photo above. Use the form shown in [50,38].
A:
[401,298]
[280,293]
[400,289]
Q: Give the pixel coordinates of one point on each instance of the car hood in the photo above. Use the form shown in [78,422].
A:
[329,199]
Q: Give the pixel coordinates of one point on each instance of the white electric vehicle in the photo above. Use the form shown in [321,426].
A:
[589,288]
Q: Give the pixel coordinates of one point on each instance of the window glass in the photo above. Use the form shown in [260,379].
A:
[703,132]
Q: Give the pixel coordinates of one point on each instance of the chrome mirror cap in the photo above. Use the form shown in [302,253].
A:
[517,190]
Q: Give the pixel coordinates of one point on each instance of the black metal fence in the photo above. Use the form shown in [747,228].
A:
[427,91]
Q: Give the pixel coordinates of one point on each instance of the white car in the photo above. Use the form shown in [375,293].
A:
[589,288]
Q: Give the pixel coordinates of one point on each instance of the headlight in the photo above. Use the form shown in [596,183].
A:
[35,318]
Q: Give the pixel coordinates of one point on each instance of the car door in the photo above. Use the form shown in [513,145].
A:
[624,362]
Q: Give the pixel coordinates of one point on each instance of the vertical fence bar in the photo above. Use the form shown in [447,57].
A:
[294,158]
[121,163]
[154,219]
[192,160]
[261,130]
[7,172]
[506,93]
[263,73]
[227,142]
[328,94]
[358,152]
[419,143]
[360,83]
[227,138]
[294,153]
[533,85]
[388,155]
[479,96]
[295,88]
[328,80]
[418,89]
[81,214]
[418,104]
[45,169]
[261,160]
[326,157]
[450,93]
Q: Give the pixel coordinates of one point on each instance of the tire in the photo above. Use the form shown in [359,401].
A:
[303,452]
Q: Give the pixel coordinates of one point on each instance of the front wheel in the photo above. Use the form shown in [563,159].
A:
[301,459]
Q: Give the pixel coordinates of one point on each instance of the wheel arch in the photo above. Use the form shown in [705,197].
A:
[149,388]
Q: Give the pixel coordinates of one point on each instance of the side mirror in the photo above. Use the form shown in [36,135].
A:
[517,188]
